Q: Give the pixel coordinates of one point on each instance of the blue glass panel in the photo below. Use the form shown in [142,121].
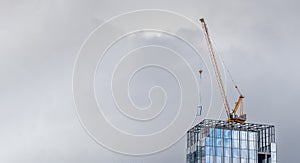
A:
[227,142]
[209,151]
[227,133]
[211,131]
[219,151]
[207,159]
[219,142]
[218,133]
[208,141]
[235,153]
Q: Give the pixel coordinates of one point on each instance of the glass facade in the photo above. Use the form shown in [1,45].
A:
[221,142]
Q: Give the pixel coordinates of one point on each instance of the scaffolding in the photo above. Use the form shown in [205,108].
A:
[223,141]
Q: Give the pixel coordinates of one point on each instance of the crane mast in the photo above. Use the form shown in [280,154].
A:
[232,116]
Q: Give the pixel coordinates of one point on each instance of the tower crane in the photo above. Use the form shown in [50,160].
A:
[231,114]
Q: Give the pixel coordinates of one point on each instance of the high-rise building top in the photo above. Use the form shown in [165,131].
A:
[217,141]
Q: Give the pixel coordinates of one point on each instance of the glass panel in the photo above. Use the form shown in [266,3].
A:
[252,135]
[218,133]
[227,160]
[244,153]
[208,141]
[227,133]
[207,159]
[219,160]
[227,142]
[252,145]
[235,153]
[219,142]
[243,135]
[236,160]
[243,160]
[252,161]
[235,134]
[209,151]
[203,151]
[211,131]
[243,144]
[273,156]
[219,151]
[235,143]
[273,147]
[227,151]
[252,154]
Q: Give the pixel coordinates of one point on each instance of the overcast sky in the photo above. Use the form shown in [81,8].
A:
[39,41]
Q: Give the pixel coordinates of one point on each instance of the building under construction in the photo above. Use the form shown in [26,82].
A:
[233,140]
[217,141]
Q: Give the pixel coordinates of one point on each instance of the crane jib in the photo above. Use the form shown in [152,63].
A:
[232,115]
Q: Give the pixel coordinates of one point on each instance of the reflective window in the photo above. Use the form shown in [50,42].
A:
[252,161]
[252,135]
[243,160]
[227,152]
[208,141]
[243,135]
[235,134]
[252,154]
[252,145]
[273,147]
[227,146]
[243,144]
[219,142]
[218,133]
[211,131]
[227,160]
[207,159]
[227,134]
[219,151]
[227,142]
[236,160]
[235,153]
[218,159]
[209,151]
[235,143]
[244,153]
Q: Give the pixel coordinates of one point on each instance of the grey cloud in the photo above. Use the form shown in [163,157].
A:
[38,46]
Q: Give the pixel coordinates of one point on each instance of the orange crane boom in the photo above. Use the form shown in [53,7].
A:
[232,116]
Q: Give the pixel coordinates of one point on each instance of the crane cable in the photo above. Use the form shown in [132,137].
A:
[217,52]
[230,76]
[226,68]
[215,66]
